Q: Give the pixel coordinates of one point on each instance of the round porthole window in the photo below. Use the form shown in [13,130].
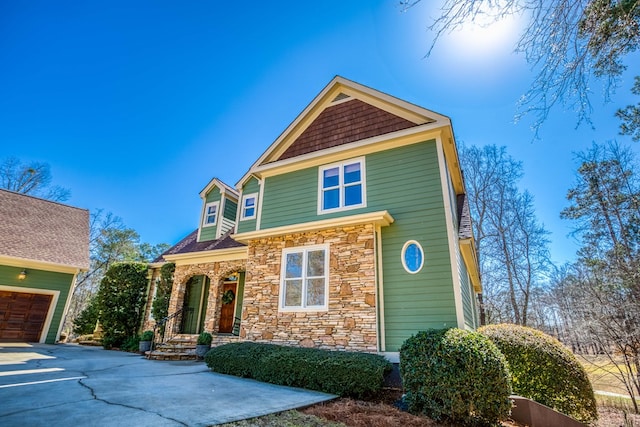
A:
[412,257]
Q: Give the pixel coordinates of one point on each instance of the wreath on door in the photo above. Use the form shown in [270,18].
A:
[228,297]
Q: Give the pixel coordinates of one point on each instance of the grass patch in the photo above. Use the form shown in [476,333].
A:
[602,374]
[623,403]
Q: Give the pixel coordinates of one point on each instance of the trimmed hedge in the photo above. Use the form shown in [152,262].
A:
[455,376]
[544,370]
[336,372]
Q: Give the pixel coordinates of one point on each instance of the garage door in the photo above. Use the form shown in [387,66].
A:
[22,316]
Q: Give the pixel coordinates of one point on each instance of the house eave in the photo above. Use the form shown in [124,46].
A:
[41,265]
[470,258]
[229,254]
[377,143]
[381,218]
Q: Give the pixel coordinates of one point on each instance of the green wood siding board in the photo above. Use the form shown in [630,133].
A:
[209,233]
[251,186]
[213,196]
[40,279]
[406,182]
[230,209]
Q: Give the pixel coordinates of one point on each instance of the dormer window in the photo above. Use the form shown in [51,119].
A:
[341,186]
[210,214]
[249,204]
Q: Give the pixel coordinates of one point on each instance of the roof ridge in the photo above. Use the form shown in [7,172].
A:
[42,199]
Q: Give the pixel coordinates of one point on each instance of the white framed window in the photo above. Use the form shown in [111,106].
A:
[412,257]
[249,206]
[341,186]
[304,278]
[210,214]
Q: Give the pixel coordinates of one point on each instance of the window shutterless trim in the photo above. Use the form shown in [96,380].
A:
[255,206]
[341,186]
[303,278]
[206,215]
[404,252]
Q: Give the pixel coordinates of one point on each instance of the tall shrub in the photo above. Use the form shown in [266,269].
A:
[86,321]
[455,376]
[160,306]
[544,370]
[121,300]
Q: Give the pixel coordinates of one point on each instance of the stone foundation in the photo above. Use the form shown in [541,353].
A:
[350,322]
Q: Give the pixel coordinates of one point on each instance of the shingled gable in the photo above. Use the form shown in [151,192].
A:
[39,230]
[346,112]
[347,121]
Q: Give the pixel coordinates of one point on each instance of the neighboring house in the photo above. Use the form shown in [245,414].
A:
[43,246]
[351,232]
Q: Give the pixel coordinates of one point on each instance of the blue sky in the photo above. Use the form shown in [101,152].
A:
[137,105]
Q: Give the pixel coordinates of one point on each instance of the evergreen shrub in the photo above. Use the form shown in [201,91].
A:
[205,338]
[336,372]
[544,370]
[120,299]
[455,376]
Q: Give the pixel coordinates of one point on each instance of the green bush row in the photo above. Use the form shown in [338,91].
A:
[542,369]
[343,373]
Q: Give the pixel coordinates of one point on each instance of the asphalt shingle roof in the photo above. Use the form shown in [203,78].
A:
[190,244]
[41,230]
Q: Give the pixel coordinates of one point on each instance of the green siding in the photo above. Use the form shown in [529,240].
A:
[209,233]
[290,199]
[230,209]
[406,182]
[250,187]
[468,304]
[40,279]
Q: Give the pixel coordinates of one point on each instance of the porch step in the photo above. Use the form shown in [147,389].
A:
[180,347]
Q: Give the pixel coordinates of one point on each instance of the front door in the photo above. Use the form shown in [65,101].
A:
[228,308]
[195,305]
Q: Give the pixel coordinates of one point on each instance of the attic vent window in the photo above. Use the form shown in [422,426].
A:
[341,96]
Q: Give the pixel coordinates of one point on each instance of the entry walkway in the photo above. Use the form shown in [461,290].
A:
[70,385]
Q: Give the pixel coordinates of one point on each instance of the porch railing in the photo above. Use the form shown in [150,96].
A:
[167,327]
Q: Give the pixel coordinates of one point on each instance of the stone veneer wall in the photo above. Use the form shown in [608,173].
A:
[215,271]
[148,322]
[350,322]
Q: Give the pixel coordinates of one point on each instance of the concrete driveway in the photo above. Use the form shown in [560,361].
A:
[70,385]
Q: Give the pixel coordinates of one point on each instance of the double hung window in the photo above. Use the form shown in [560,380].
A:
[342,186]
[304,278]
[210,214]
[248,206]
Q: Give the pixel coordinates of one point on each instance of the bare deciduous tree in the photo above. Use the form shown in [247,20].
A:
[512,245]
[565,42]
[30,178]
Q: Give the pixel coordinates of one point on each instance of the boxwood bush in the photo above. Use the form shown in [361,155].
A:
[543,370]
[455,376]
[336,372]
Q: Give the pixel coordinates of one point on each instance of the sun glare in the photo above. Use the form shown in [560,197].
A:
[485,37]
